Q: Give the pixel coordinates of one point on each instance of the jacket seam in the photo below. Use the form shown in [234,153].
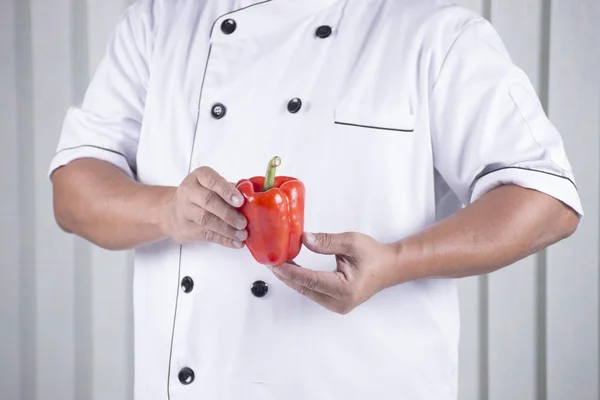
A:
[452,46]
[529,127]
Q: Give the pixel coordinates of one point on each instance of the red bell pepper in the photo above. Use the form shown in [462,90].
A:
[274,208]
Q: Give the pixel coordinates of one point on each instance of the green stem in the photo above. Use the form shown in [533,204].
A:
[271,170]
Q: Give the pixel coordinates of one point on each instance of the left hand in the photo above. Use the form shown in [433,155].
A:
[362,266]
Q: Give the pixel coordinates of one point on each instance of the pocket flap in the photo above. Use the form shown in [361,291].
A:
[367,117]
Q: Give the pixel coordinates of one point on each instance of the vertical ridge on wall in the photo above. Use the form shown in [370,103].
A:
[544,53]
[128,388]
[9,207]
[541,376]
[484,362]
[541,340]
[54,251]
[486,9]
[573,265]
[28,348]
[82,273]
[84,340]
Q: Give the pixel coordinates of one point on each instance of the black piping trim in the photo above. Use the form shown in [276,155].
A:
[233,12]
[174,319]
[375,127]
[181,246]
[189,171]
[91,145]
[198,113]
[99,148]
[528,169]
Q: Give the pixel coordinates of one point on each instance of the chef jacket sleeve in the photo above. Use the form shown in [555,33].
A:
[106,125]
[488,126]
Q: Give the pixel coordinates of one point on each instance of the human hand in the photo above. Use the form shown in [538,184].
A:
[204,208]
[363,265]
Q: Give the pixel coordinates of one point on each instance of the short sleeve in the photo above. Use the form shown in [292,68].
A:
[488,126]
[107,124]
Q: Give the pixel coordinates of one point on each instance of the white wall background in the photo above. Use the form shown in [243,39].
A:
[530,332]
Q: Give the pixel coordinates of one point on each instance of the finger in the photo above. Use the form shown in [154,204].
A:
[213,203]
[330,243]
[211,180]
[319,298]
[193,233]
[217,238]
[329,283]
[210,222]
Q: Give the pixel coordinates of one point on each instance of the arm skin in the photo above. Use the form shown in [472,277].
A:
[100,203]
[505,225]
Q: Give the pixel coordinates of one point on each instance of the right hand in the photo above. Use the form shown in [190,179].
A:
[204,208]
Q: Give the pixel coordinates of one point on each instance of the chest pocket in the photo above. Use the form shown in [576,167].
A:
[373,117]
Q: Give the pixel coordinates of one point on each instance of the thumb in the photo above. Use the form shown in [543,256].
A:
[328,243]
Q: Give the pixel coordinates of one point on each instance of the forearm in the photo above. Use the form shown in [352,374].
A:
[504,226]
[100,203]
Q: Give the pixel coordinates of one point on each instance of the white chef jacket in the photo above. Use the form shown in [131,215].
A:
[402,112]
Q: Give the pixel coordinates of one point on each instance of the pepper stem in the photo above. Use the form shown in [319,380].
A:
[271,171]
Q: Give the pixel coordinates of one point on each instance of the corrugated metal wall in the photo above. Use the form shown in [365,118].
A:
[530,332]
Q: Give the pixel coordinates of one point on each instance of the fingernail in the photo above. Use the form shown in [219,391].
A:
[237,200]
[237,244]
[241,235]
[241,223]
[311,238]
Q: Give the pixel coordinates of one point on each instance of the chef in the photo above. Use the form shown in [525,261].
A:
[425,154]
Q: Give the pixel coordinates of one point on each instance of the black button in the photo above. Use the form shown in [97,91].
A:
[187,284]
[218,111]
[259,289]
[324,31]
[228,26]
[294,105]
[186,376]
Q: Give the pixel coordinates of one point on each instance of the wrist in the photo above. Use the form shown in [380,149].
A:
[392,265]
[161,211]
[408,255]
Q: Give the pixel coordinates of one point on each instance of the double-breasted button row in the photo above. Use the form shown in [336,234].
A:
[258,288]
[218,110]
[229,26]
